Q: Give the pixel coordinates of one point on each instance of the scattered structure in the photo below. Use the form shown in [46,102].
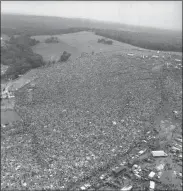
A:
[130,54]
[159,154]
[5,92]
[154,56]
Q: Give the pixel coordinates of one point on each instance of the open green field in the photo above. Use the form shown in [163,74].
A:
[76,44]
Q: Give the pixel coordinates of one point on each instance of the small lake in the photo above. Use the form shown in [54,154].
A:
[9,116]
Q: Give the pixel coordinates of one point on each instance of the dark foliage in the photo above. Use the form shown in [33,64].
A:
[153,41]
[64,57]
[24,40]
[42,31]
[19,56]
[52,40]
[104,41]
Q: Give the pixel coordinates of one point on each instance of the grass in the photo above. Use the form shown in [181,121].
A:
[53,51]
[76,44]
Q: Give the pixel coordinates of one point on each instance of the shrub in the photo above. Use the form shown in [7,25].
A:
[65,56]
[102,40]
[52,40]
[35,60]
[20,67]
[23,40]
[108,42]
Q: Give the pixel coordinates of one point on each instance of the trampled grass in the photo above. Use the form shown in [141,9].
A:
[83,113]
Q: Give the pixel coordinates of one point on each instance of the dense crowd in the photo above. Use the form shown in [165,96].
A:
[84,113]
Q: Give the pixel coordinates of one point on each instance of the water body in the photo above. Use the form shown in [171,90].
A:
[9,116]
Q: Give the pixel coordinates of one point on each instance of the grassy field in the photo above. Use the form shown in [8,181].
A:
[76,44]
[53,51]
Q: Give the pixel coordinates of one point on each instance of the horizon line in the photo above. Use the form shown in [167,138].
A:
[95,20]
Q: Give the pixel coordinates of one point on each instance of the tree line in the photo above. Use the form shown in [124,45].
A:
[18,55]
[163,42]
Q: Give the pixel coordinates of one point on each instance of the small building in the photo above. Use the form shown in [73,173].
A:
[5,93]
[159,154]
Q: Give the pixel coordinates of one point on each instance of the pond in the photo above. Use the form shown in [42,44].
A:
[9,116]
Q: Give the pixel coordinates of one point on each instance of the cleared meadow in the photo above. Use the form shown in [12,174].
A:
[76,43]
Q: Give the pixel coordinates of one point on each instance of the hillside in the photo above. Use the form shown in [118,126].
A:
[165,41]
[83,114]
[144,37]
[77,44]
[40,25]
[70,122]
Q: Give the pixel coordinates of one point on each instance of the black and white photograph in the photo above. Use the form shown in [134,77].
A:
[91,95]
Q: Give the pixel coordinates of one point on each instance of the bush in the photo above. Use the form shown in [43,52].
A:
[64,57]
[24,40]
[35,60]
[102,40]
[52,40]
[18,68]
[108,42]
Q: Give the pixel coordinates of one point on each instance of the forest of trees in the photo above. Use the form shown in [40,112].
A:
[163,42]
[18,55]
[41,31]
